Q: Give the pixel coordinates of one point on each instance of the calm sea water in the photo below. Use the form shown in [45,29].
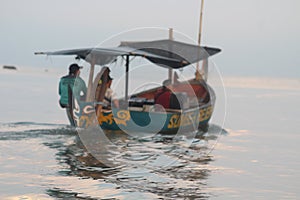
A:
[254,156]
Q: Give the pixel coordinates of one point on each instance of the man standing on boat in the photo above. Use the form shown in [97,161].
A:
[71,85]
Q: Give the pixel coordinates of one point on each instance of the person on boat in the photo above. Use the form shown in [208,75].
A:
[202,91]
[176,79]
[110,97]
[74,85]
[163,96]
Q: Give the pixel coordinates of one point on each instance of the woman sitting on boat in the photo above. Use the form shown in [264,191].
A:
[110,96]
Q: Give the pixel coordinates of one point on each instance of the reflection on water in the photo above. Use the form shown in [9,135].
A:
[53,161]
[259,160]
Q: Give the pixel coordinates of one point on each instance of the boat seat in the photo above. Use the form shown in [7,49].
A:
[173,110]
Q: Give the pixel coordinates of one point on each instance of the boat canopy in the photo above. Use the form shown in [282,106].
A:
[165,53]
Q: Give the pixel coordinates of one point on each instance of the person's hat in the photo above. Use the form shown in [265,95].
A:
[110,78]
[167,83]
[74,68]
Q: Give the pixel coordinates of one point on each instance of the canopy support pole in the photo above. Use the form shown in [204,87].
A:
[127,78]
[89,97]
[170,74]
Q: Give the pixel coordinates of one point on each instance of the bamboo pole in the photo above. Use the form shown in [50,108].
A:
[200,22]
[198,74]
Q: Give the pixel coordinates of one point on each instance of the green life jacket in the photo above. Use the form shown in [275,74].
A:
[75,83]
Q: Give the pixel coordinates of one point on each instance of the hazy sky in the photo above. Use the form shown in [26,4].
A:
[258,37]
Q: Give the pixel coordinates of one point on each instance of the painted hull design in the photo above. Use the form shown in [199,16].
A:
[134,120]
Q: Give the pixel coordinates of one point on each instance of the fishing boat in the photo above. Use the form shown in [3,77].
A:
[137,112]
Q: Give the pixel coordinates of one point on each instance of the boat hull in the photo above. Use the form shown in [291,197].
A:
[144,118]
[168,122]
[128,120]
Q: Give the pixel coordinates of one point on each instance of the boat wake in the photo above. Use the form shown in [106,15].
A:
[23,130]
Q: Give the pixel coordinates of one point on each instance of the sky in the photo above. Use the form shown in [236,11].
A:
[257,37]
